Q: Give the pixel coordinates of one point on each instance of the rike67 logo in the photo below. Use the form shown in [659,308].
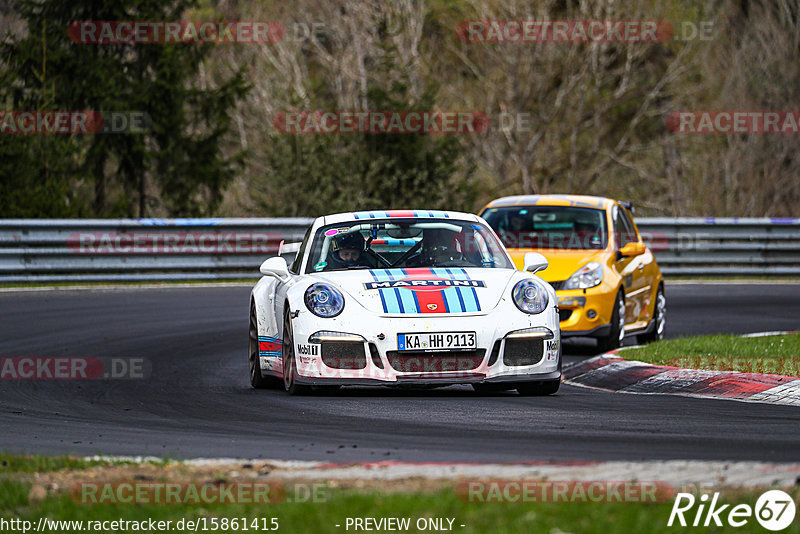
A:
[774,510]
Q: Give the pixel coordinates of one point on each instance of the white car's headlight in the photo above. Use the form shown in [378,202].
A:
[589,275]
[530,296]
[324,300]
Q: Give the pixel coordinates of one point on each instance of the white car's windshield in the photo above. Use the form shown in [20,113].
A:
[405,243]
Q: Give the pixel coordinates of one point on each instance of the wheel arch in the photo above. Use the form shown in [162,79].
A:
[260,296]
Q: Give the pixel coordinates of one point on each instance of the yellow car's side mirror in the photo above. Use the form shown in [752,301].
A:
[632,249]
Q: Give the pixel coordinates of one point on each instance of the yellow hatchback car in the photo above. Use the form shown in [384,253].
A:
[607,281]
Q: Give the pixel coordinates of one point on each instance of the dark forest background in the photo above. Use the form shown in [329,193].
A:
[588,118]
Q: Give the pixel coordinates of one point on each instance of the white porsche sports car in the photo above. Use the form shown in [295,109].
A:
[400,298]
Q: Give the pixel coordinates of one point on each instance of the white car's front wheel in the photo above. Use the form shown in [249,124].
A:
[289,364]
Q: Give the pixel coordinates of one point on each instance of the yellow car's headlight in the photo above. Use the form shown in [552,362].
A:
[590,275]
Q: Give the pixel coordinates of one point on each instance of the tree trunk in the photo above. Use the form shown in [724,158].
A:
[99,185]
[142,196]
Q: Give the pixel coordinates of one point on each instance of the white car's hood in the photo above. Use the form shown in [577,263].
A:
[422,291]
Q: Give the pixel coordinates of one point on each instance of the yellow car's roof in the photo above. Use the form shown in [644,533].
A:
[552,200]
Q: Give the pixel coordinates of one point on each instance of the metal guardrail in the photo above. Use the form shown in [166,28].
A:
[79,250]
[708,246]
[98,250]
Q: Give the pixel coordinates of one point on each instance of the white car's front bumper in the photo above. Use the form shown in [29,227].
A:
[371,355]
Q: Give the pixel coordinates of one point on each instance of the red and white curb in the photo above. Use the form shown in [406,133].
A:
[612,373]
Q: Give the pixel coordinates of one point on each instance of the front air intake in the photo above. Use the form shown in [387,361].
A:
[519,352]
[344,355]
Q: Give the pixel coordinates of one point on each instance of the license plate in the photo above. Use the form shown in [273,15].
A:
[437,341]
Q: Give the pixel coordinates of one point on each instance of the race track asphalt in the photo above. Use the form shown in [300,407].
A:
[198,403]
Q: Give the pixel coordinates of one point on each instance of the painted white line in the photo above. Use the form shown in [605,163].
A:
[767,334]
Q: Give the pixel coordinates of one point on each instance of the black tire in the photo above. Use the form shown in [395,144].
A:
[538,389]
[614,338]
[659,319]
[289,362]
[257,378]
[488,389]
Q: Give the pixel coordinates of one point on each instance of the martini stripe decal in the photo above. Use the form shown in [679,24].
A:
[425,299]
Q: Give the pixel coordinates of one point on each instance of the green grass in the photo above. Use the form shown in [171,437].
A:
[15,463]
[332,506]
[772,354]
[11,463]
[322,517]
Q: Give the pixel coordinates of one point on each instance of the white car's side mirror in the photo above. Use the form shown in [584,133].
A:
[534,262]
[275,266]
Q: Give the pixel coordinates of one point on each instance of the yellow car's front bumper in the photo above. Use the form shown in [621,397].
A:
[586,312]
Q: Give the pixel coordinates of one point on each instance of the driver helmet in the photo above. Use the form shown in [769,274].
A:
[438,244]
[348,248]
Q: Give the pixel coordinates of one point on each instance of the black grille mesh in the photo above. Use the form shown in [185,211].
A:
[523,351]
[344,355]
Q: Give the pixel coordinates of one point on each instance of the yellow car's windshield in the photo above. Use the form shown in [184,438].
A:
[549,227]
